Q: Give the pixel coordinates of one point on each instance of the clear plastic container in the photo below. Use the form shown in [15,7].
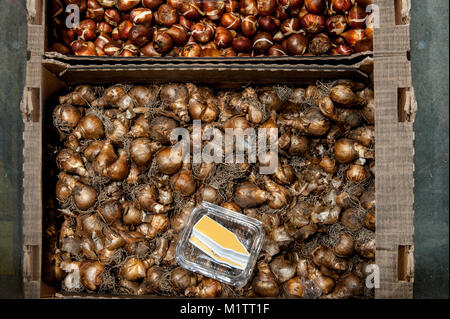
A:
[248,231]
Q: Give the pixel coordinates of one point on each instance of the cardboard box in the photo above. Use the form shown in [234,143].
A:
[394,103]
[41,7]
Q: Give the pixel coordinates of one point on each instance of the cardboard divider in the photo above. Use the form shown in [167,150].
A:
[301,60]
[229,74]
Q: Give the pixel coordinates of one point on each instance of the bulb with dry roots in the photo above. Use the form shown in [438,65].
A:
[349,285]
[133,269]
[299,145]
[368,111]
[367,199]
[170,258]
[347,150]
[170,159]
[89,225]
[141,127]
[232,206]
[343,199]
[345,247]
[202,104]
[144,96]
[84,196]
[153,281]
[280,195]
[207,288]
[324,283]
[270,99]
[205,170]
[264,283]
[299,215]
[367,249]
[176,98]
[131,238]
[160,128]
[139,248]
[111,97]
[312,122]
[321,284]
[328,164]
[325,215]
[70,162]
[66,117]
[90,127]
[312,92]
[130,287]
[351,219]
[181,279]
[294,288]
[365,135]
[343,95]
[284,174]
[82,95]
[324,256]
[119,131]
[281,236]
[133,175]
[348,117]
[157,224]
[104,155]
[179,219]
[113,240]
[356,173]
[209,194]
[110,210]
[255,114]
[249,195]
[160,251]
[165,195]
[142,150]
[69,242]
[146,199]
[283,268]
[183,182]
[369,221]
[90,274]
[108,164]
[72,279]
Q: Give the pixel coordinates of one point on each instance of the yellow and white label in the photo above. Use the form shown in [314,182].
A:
[219,243]
[202,246]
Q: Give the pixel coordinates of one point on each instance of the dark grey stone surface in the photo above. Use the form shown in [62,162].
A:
[429,55]
[12,66]
[430,39]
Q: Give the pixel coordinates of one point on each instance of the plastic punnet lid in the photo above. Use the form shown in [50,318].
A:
[220,244]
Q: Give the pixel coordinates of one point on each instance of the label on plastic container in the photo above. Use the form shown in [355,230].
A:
[219,243]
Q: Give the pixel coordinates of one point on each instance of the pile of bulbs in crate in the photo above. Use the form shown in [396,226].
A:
[124,195]
[211,28]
